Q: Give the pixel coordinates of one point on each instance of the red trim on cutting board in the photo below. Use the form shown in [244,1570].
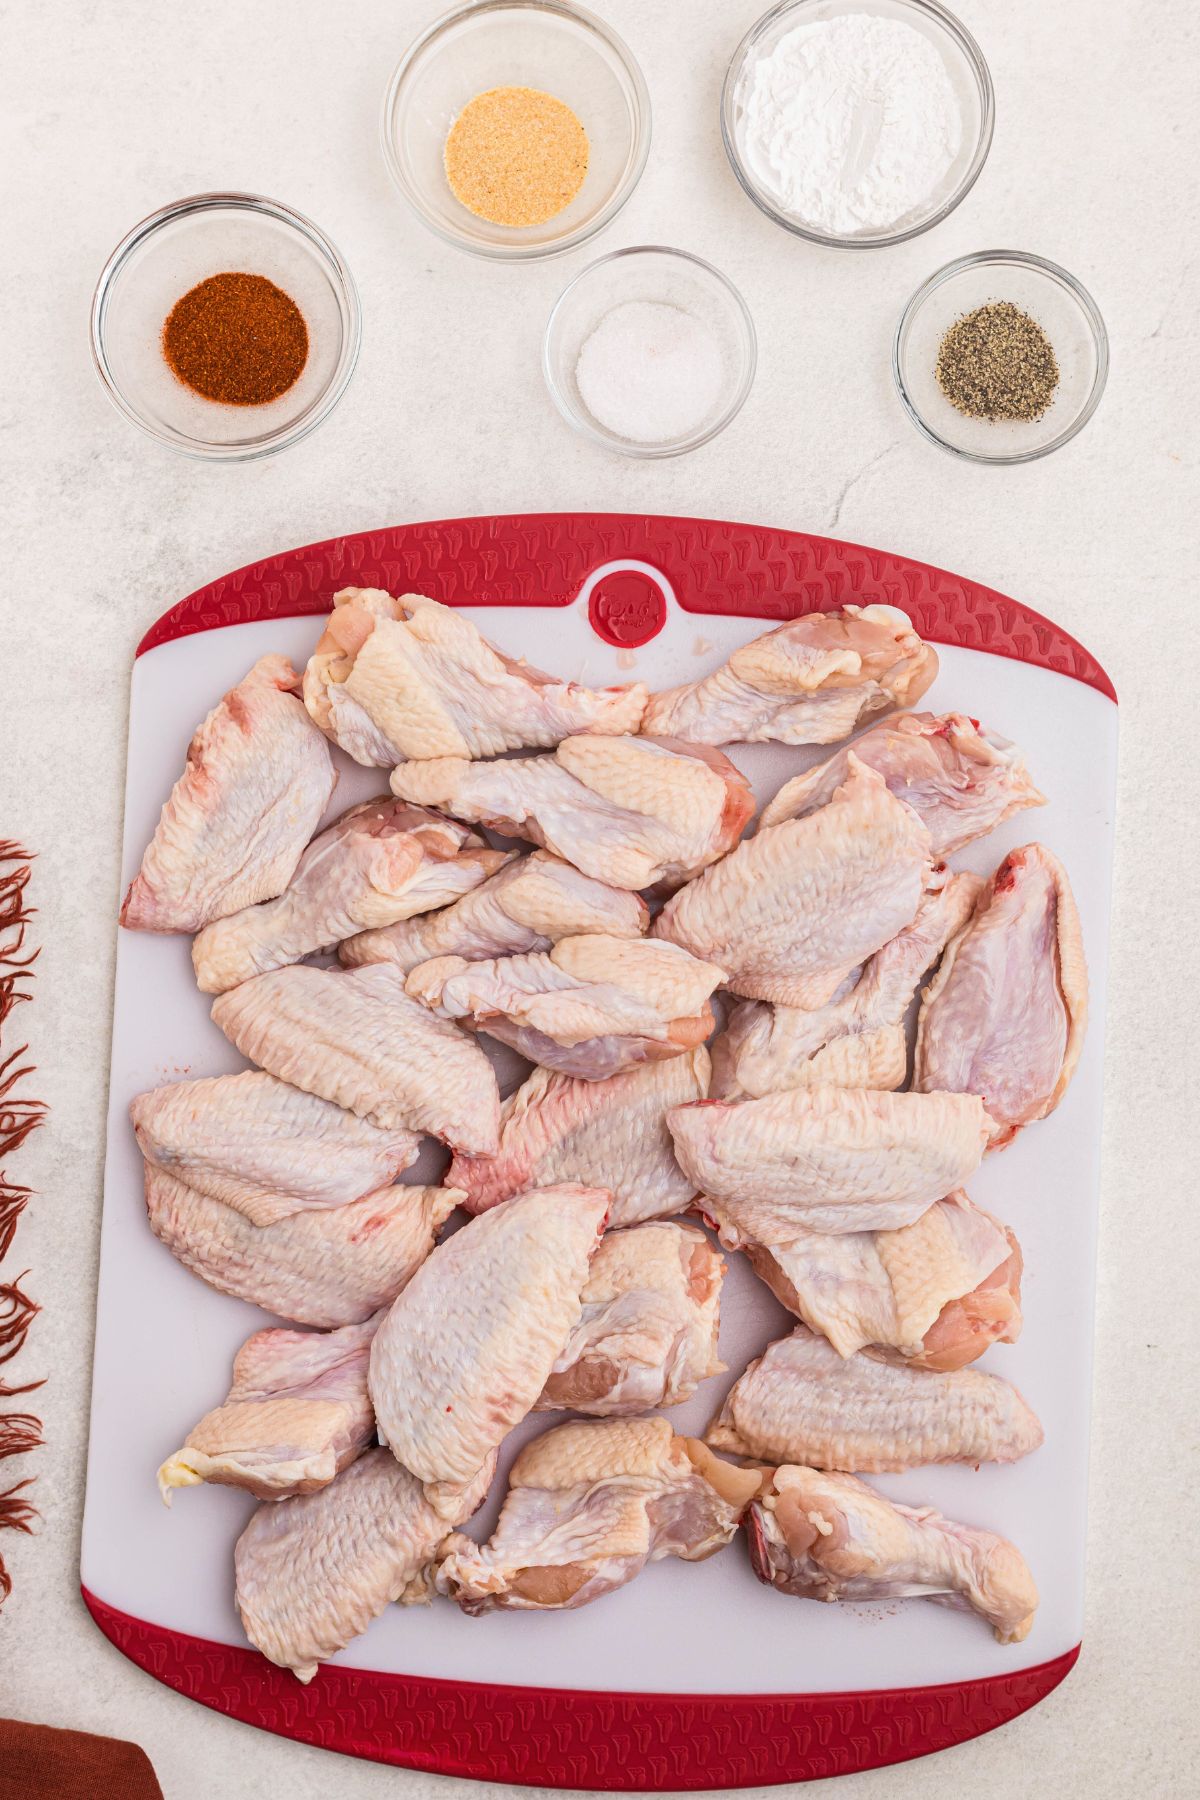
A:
[553,1737]
[543,559]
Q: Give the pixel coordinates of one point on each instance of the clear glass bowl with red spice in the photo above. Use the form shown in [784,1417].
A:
[168,255]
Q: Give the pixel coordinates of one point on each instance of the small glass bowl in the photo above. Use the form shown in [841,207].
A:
[665,277]
[967,69]
[1060,305]
[546,44]
[165,256]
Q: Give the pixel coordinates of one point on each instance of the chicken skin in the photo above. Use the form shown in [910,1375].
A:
[801,1402]
[264,1147]
[1006,1014]
[469,1346]
[959,778]
[634,812]
[609,1133]
[828,1159]
[317,1268]
[531,904]
[296,1414]
[792,912]
[590,1007]
[647,1335]
[938,1292]
[810,681]
[393,679]
[312,1572]
[354,1037]
[256,781]
[379,862]
[831,1537]
[588,1506]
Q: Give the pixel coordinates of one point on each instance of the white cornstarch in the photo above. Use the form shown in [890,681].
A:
[851,123]
[650,372]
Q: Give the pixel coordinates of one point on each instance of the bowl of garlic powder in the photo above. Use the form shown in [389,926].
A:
[857,123]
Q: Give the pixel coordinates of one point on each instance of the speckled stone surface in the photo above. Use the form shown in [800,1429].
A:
[107,112]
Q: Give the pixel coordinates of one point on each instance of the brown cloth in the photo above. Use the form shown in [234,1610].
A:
[39,1763]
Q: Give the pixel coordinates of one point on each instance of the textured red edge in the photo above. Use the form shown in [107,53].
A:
[552,1737]
[542,559]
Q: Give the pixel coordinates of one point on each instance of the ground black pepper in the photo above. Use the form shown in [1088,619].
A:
[997,363]
[237,339]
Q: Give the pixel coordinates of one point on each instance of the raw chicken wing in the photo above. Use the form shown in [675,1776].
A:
[312,1572]
[257,779]
[588,1506]
[831,1537]
[795,910]
[1005,1015]
[355,1037]
[296,1414]
[801,1402]
[591,1006]
[465,1352]
[317,1268]
[636,812]
[392,679]
[379,862]
[530,905]
[603,1133]
[265,1147]
[828,1159]
[961,779]
[648,1333]
[810,681]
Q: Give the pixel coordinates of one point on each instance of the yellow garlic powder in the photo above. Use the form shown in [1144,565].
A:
[516,156]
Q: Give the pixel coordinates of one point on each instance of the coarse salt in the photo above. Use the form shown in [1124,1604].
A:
[650,372]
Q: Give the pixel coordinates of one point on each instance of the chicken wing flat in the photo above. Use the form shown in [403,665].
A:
[938,1292]
[317,1268]
[531,904]
[959,778]
[588,1506]
[265,1147]
[353,1036]
[792,912]
[296,1414]
[381,861]
[647,1335]
[466,1351]
[609,1133]
[828,1159]
[635,812]
[811,681]
[801,1402]
[1006,1014]
[590,1007]
[312,1572]
[831,1537]
[257,779]
[857,1040]
[392,679]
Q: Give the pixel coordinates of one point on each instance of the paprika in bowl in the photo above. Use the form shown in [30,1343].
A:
[226,326]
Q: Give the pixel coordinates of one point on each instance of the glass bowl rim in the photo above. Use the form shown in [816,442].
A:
[343,284]
[673,447]
[524,252]
[955,29]
[1003,259]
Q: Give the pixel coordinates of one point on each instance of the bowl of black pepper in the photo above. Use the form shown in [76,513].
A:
[226,325]
[1000,357]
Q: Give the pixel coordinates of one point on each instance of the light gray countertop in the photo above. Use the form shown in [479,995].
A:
[110,110]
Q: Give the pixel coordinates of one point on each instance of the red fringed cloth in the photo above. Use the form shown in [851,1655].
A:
[38,1763]
[20,1432]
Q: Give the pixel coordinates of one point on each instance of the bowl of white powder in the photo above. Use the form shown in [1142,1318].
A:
[649,352]
[857,123]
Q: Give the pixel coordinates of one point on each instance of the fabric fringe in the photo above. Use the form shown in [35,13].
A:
[15,1515]
[19,1432]
[17,1313]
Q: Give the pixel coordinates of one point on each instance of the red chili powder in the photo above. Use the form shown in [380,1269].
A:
[237,339]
